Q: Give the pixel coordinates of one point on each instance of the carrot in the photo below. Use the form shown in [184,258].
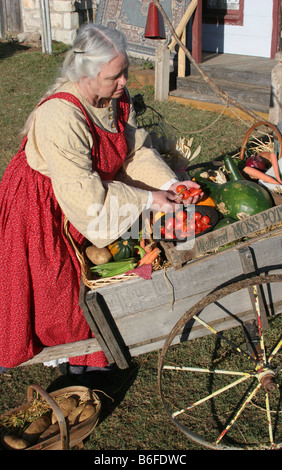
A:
[257,174]
[148,258]
[274,162]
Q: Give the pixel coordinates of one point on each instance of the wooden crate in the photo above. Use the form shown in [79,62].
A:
[178,254]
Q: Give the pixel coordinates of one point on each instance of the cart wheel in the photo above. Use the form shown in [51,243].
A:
[224,391]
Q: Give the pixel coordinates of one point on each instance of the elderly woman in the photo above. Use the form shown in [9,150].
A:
[83,158]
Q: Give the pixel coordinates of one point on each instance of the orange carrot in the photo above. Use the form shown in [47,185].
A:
[142,243]
[274,162]
[257,174]
[148,258]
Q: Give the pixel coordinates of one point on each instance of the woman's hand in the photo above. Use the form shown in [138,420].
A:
[189,185]
[166,201]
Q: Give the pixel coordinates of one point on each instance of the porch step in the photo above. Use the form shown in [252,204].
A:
[252,92]
[238,68]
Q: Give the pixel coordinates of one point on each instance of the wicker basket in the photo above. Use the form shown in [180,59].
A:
[86,273]
[68,436]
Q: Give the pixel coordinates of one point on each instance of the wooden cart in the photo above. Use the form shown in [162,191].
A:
[221,280]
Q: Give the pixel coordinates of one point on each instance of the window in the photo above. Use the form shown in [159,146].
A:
[223,11]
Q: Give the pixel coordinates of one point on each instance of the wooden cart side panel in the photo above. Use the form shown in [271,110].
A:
[182,252]
[144,312]
[195,278]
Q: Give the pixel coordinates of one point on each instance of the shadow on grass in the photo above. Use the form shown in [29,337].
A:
[8,48]
[111,387]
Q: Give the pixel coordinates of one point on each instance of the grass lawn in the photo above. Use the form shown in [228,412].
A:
[132,415]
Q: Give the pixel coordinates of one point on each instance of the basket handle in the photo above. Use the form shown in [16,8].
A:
[57,410]
[254,126]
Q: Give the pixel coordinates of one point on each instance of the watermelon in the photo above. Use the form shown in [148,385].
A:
[238,198]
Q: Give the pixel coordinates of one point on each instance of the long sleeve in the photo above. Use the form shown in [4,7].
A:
[59,146]
[144,167]
[62,151]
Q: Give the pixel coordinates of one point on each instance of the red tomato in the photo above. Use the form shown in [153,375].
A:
[195,191]
[185,194]
[170,235]
[205,219]
[183,234]
[180,225]
[181,215]
[204,227]
[170,224]
[162,230]
[197,216]
[198,225]
[180,188]
[191,225]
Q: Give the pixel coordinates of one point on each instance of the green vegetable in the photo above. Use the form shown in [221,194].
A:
[122,249]
[115,268]
[223,222]
[238,198]
[140,250]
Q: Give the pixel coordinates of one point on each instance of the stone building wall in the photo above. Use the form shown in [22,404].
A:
[65,17]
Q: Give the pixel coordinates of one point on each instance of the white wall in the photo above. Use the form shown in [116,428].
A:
[252,38]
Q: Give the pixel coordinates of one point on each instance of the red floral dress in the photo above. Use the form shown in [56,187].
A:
[39,271]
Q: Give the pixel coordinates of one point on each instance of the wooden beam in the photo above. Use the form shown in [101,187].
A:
[182,25]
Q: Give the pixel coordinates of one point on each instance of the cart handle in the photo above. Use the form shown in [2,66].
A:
[57,410]
[254,126]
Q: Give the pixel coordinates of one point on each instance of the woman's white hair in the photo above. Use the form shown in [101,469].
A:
[94,46]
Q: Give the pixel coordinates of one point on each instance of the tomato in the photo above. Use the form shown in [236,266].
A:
[195,191]
[197,216]
[181,215]
[204,227]
[170,235]
[180,188]
[170,224]
[162,230]
[191,225]
[205,219]
[179,225]
[185,194]
[184,234]
[198,225]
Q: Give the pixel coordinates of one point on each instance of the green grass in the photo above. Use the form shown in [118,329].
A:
[132,414]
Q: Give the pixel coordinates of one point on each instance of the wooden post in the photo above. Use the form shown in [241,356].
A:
[275,110]
[197,34]
[182,57]
[162,73]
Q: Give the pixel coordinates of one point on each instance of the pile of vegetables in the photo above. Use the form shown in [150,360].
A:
[182,225]
[27,428]
[125,255]
[238,198]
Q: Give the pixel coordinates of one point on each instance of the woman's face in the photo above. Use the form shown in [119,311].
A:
[111,80]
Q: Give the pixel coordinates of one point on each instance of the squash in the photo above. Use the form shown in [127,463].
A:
[223,222]
[122,249]
[238,198]
[206,201]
